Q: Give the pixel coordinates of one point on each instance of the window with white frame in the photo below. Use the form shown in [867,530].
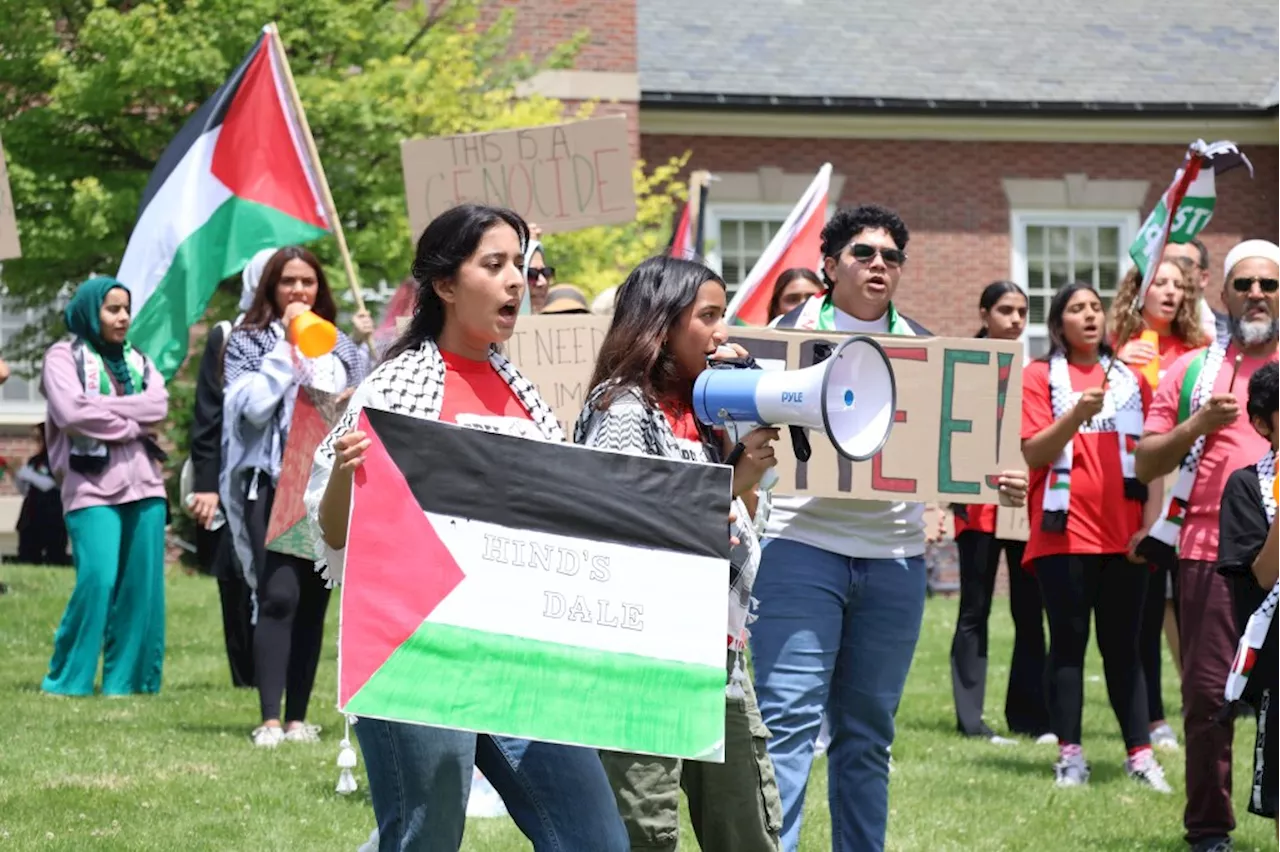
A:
[1052,249]
[735,236]
[19,395]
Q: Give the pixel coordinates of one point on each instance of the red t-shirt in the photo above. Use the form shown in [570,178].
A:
[1225,451]
[475,395]
[1101,520]
[980,517]
[683,423]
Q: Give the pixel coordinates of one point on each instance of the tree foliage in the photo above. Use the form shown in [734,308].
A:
[94,90]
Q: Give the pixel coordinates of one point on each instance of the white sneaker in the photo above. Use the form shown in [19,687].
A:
[1164,738]
[1144,769]
[1047,739]
[1071,772]
[823,742]
[268,736]
[303,733]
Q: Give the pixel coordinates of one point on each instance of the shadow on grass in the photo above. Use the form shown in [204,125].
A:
[1031,763]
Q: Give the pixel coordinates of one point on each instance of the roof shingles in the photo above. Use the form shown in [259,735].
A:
[1089,51]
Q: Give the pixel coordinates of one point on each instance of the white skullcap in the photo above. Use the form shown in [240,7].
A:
[603,304]
[251,275]
[1264,249]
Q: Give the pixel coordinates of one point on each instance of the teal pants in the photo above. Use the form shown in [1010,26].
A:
[117,607]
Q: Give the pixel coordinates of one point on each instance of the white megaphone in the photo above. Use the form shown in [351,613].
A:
[851,395]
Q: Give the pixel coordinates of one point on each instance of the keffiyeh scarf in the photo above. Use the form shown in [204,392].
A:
[633,425]
[1162,542]
[1255,631]
[412,383]
[1121,413]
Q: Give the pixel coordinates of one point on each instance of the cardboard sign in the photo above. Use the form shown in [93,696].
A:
[314,414]
[558,354]
[562,176]
[1013,524]
[9,246]
[957,421]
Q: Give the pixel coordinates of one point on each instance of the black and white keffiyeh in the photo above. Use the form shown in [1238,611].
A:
[1121,413]
[1162,541]
[631,425]
[412,383]
[247,348]
[1256,629]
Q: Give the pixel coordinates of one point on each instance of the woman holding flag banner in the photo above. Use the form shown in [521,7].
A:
[446,366]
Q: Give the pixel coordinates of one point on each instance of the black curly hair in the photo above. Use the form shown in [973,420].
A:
[1262,392]
[851,221]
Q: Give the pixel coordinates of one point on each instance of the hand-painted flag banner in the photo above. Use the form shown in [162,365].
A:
[314,413]
[236,179]
[1191,197]
[536,590]
[798,243]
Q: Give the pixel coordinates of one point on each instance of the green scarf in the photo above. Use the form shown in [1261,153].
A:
[82,318]
[827,318]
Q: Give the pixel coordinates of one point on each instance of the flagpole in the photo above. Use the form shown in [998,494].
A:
[326,196]
[697,180]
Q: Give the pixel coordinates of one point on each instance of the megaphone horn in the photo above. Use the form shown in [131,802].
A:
[851,396]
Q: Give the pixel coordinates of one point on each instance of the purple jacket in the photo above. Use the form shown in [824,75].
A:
[118,421]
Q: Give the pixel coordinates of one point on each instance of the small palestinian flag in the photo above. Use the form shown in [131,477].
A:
[235,180]
[1177,511]
[314,413]
[545,591]
[1060,479]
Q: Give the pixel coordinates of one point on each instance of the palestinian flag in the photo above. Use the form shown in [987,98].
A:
[688,237]
[314,414]
[797,243]
[237,179]
[1177,511]
[1059,479]
[545,591]
[1185,208]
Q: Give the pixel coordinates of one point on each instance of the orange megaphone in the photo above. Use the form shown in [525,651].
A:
[313,334]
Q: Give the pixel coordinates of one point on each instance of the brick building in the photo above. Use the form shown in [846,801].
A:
[1015,143]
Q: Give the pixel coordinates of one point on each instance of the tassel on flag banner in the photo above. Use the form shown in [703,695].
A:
[797,243]
[1191,197]
[687,239]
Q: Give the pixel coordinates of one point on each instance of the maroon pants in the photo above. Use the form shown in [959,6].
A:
[1208,637]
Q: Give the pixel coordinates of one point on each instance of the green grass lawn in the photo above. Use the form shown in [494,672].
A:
[177,772]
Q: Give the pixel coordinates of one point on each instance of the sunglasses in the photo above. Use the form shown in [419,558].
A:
[547,272]
[1244,285]
[863,253]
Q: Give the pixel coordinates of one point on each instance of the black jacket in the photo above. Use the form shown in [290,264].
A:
[206,427]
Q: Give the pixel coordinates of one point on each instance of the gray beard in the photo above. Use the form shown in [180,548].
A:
[1253,333]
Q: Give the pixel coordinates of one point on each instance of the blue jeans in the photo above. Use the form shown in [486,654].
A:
[420,777]
[838,633]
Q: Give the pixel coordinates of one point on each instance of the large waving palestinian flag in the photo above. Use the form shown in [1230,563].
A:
[237,179]
[545,591]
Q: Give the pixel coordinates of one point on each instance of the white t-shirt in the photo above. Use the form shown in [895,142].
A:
[866,529]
